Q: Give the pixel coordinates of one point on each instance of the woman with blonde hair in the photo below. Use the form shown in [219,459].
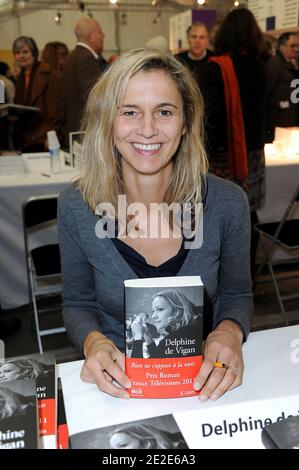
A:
[13,403]
[23,367]
[145,436]
[143,151]
[174,316]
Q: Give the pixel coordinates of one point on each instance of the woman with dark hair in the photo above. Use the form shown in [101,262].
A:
[55,54]
[173,316]
[235,90]
[145,436]
[38,85]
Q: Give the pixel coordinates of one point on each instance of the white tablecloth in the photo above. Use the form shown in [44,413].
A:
[282,178]
[14,190]
[270,390]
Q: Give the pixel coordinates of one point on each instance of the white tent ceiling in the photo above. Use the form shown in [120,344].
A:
[9,8]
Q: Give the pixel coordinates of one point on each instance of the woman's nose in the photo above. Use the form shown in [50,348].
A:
[147,127]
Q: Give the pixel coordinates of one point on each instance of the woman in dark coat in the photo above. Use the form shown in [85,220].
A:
[37,85]
[239,39]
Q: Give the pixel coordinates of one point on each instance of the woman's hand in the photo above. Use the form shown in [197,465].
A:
[104,363]
[224,345]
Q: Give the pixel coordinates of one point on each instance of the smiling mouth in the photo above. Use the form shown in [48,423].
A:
[146,147]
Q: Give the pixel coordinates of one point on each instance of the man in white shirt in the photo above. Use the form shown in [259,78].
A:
[81,69]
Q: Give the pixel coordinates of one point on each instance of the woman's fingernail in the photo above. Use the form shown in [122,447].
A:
[196,386]
[128,385]
[214,396]
[203,398]
[124,395]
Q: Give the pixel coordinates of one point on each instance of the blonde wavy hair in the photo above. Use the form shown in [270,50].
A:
[101,180]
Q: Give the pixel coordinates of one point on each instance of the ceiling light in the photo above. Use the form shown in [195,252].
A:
[236,3]
[113,1]
[57,18]
[201,2]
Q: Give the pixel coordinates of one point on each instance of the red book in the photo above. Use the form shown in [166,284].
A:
[163,335]
[62,427]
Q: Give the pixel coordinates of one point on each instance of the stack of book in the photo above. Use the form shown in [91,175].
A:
[31,404]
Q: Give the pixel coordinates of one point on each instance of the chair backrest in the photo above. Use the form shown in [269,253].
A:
[294,199]
[75,143]
[39,209]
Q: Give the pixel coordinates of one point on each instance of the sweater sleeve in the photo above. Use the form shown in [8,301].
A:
[79,301]
[235,279]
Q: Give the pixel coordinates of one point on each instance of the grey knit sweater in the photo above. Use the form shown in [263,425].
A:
[93,270]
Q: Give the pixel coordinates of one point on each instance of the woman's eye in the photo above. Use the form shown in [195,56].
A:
[164,113]
[130,113]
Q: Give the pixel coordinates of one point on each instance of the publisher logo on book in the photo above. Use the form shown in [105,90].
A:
[156,220]
[2,92]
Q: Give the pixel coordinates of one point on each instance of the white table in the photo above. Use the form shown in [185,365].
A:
[270,389]
[14,190]
[282,178]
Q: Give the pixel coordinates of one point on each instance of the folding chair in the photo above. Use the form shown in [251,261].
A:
[43,262]
[75,143]
[285,234]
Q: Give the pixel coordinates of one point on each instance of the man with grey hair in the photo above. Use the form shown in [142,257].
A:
[281,70]
[197,57]
[81,69]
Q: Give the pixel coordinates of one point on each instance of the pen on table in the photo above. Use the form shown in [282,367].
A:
[45,174]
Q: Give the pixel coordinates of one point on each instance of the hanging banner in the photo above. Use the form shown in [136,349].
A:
[275,14]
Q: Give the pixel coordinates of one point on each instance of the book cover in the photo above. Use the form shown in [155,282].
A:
[62,427]
[163,326]
[161,432]
[284,434]
[42,368]
[18,415]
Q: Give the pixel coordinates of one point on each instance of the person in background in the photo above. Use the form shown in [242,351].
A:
[235,122]
[145,436]
[82,68]
[38,85]
[281,70]
[9,87]
[143,140]
[198,54]
[270,47]
[55,54]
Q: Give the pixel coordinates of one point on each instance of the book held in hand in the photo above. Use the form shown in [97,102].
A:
[163,323]
[18,415]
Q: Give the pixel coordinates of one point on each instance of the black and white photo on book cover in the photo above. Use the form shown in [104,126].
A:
[40,367]
[18,415]
[163,323]
[161,432]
